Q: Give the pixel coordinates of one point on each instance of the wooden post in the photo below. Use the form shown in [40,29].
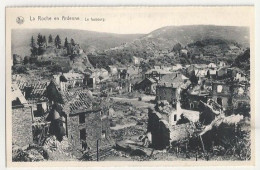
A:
[202,144]
[97,150]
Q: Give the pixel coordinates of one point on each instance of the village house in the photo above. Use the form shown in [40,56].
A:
[156,73]
[222,93]
[170,87]
[136,60]
[194,95]
[170,123]
[222,64]
[148,85]
[69,80]
[78,116]
[112,70]
[212,66]
[198,69]
[123,73]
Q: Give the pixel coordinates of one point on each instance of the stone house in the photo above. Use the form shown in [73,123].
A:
[170,87]
[165,127]
[222,93]
[83,120]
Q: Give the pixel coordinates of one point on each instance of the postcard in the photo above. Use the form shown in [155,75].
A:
[130,86]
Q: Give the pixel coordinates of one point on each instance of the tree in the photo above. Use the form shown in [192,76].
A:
[33,47]
[72,42]
[44,40]
[66,43]
[50,40]
[57,41]
[40,43]
[177,47]
[26,60]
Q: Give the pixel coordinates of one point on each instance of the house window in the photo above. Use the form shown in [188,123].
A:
[175,117]
[219,88]
[82,118]
[82,134]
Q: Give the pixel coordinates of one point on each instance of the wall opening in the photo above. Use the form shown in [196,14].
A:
[82,118]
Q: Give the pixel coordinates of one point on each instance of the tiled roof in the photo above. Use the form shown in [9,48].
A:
[38,88]
[77,101]
[174,80]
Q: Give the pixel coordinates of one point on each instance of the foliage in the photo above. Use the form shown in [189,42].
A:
[66,43]
[50,40]
[57,41]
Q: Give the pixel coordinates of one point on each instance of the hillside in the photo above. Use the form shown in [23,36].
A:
[160,43]
[89,40]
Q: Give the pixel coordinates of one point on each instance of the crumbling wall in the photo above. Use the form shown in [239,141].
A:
[22,126]
[159,130]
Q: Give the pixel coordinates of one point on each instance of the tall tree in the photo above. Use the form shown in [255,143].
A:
[66,43]
[44,40]
[33,47]
[40,43]
[57,41]
[50,40]
[72,41]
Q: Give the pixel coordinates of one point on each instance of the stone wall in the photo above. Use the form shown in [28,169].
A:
[93,129]
[22,126]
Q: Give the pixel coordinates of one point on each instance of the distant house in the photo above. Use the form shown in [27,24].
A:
[236,74]
[136,60]
[148,85]
[195,95]
[112,70]
[156,73]
[222,72]
[197,68]
[69,80]
[222,93]
[176,67]
[212,65]
[212,73]
[222,64]
[123,73]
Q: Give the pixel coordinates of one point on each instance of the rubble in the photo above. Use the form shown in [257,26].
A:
[31,153]
[52,144]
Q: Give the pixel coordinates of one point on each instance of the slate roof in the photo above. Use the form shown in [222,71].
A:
[174,80]
[77,101]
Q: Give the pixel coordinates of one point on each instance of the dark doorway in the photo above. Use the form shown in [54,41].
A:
[219,101]
[83,134]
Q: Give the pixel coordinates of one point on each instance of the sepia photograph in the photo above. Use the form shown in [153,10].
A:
[172,90]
